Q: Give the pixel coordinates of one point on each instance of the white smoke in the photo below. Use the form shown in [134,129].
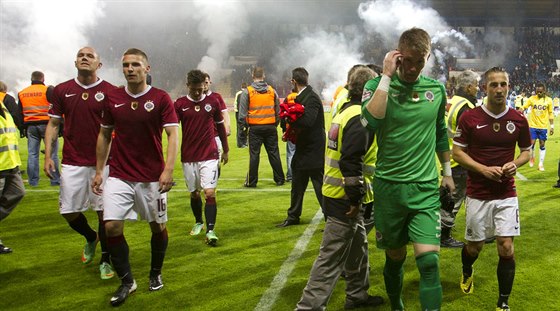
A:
[326,56]
[45,36]
[388,19]
[220,23]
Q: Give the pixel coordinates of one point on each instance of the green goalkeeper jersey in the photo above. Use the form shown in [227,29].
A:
[412,131]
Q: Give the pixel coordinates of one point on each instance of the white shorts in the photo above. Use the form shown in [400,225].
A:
[201,175]
[76,195]
[126,200]
[488,218]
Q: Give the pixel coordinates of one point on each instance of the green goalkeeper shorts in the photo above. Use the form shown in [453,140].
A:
[406,212]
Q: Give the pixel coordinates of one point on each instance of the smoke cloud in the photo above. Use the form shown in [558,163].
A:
[45,36]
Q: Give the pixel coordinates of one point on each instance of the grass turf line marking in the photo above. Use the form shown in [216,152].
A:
[271,295]
[520,176]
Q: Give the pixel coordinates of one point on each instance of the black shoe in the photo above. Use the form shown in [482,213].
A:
[288,222]
[4,249]
[450,242]
[557,185]
[156,283]
[280,183]
[249,186]
[371,301]
[122,293]
[490,240]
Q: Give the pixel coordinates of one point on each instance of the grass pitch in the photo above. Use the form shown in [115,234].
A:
[45,272]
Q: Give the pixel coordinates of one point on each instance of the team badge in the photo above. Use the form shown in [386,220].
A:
[366,95]
[85,95]
[415,97]
[99,96]
[378,236]
[429,96]
[197,108]
[510,127]
[207,107]
[149,106]
[134,105]
[496,126]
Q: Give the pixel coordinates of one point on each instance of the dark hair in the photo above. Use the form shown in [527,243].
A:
[300,75]
[37,76]
[540,84]
[195,76]
[352,70]
[135,51]
[494,70]
[258,73]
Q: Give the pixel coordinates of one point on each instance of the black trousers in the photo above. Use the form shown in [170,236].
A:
[300,180]
[241,132]
[267,135]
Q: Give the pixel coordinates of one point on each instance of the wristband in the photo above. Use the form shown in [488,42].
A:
[384,83]
[446,169]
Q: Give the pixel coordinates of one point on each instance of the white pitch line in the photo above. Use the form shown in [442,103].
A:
[271,295]
[520,176]
[279,189]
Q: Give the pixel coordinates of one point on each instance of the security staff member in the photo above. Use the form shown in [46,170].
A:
[258,109]
[241,127]
[10,104]
[11,184]
[344,246]
[34,108]
[464,99]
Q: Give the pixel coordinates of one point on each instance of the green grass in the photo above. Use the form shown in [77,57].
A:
[45,273]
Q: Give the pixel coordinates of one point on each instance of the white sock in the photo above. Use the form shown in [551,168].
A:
[542,153]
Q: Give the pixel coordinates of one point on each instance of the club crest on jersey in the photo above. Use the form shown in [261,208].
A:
[197,108]
[207,107]
[429,95]
[149,106]
[496,127]
[85,95]
[134,105]
[510,127]
[99,96]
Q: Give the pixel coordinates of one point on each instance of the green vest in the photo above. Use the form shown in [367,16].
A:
[333,182]
[457,103]
[9,154]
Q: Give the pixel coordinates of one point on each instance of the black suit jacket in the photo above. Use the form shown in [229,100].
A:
[310,145]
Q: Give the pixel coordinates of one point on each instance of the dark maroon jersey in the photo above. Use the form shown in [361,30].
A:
[490,140]
[221,105]
[80,106]
[198,120]
[138,121]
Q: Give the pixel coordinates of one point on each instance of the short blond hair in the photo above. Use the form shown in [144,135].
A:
[415,39]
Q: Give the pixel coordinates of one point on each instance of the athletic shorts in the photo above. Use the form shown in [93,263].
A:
[76,195]
[406,212]
[489,218]
[538,133]
[126,200]
[201,175]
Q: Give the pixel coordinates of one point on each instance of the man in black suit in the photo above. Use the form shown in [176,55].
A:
[309,159]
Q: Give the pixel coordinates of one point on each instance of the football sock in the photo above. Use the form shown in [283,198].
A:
[80,225]
[196,206]
[159,246]
[118,248]
[393,274]
[468,261]
[542,154]
[103,241]
[430,285]
[210,212]
[506,274]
